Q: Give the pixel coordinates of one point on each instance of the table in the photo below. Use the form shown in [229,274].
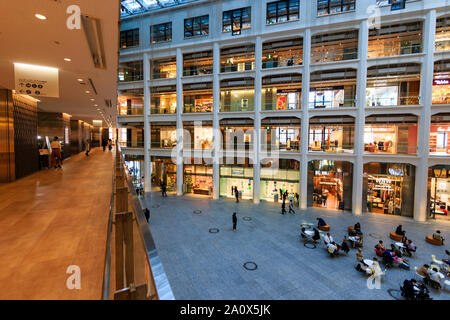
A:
[309,232]
[400,245]
[368,262]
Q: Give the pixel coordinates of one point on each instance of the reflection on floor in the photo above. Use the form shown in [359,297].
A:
[203,265]
[51,220]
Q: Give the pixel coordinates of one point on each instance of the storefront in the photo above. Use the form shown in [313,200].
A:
[198,179]
[237,134]
[279,179]
[240,176]
[331,134]
[440,135]
[164,171]
[237,95]
[393,134]
[439,192]
[282,92]
[200,135]
[163,135]
[163,100]
[198,97]
[284,53]
[281,134]
[136,168]
[441,82]
[330,184]
[388,188]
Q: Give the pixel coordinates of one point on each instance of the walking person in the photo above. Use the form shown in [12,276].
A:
[147,214]
[88,147]
[291,206]
[236,194]
[109,144]
[234,221]
[104,144]
[283,208]
[56,153]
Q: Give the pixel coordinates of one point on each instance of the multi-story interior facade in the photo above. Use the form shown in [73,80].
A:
[353,94]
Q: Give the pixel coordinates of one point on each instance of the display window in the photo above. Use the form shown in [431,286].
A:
[440,139]
[335,136]
[163,100]
[198,63]
[136,170]
[164,171]
[198,179]
[237,134]
[439,192]
[389,188]
[337,46]
[198,97]
[442,42]
[237,95]
[164,69]
[236,176]
[200,135]
[275,181]
[237,59]
[131,102]
[284,53]
[282,93]
[281,134]
[441,82]
[391,134]
[163,135]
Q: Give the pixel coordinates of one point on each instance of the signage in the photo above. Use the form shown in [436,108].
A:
[385,181]
[443,129]
[36,81]
[441,82]
[396,172]
[237,171]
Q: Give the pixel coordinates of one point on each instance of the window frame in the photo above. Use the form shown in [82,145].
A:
[201,26]
[288,11]
[232,18]
[130,35]
[167,32]
[334,4]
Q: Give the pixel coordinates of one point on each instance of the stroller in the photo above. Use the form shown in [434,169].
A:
[409,293]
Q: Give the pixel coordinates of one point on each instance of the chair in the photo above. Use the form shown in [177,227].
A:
[325,228]
[436,261]
[396,237]
[418,274]
[433,241]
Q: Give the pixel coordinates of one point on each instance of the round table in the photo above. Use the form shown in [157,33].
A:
[368,262]
[309,232]
[400,245]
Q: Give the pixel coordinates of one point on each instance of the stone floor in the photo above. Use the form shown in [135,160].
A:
[202,265]
[50,220]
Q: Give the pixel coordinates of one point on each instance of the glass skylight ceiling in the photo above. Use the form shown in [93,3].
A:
[132,7]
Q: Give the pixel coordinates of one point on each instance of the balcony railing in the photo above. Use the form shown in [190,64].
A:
[399,148]
[387,102]
[283,62]
[164,75]
[348,103]
[333,54]
[198,70]
[395,51]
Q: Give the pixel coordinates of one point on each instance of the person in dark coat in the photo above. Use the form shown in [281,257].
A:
[236,194]
[283,208]
[104,143]
[234,221]
[321,222]
[147,214]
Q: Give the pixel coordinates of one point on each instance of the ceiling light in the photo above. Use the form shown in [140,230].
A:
[87,91]
[80,80]
[95,105]
[67,59]
[40,16]
[92,99]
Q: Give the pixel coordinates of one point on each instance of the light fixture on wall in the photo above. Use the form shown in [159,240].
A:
[40,16]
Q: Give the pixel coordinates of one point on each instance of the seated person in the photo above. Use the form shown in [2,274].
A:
[360,256]
[395,250]
[361,266]
[424,271]
[316,235]
[400,231]
[409,288]
[404,241]
[357,227]
[344,246]
[333,248]
[388,257]
[436,276]
[328,239]
[437,236]
[321,222]
[380,248]
[410,247]
[303,234]
[375,268]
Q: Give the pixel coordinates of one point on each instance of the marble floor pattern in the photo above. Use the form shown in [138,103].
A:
[202,265]
[50,220]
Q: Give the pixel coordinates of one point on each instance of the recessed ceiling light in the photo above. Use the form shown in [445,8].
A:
[95,105]
[80,80]
[67,59]
[87,91]
[40,16]
[92,99]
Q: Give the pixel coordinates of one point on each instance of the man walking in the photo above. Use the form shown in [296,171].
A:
[234,221]
[236,193]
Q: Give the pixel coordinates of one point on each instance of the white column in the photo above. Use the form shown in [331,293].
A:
[358,166]
[421,185]
[257,124]
[179,123]
[147,133]
[305,121]
[216,128]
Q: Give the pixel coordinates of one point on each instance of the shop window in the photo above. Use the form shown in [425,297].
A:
[441,82]
[278,179]
[164,68]
[130,102]
[282,92]
[198,63]
[238,176]
[163,100]
[442,42]
[135,138]
[235,21]
[198,179]
[163,135]
[198,26]
[395,134]
[237,58]
[282,11]
[440,135]
[285,53]
[197,135]
[281,134]
[389,188]
[333,89]
[161,32]
[198,97]
[331,134]
[395,39]
[237,134]
[393,85]
[129,38]
[131,71]
[164,171]
[439,192]
[326,7]
[237,95]
[334,46]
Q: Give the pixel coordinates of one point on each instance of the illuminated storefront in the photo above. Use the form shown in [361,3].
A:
[285,131]
[442,42]
[198,63]
[237,58]
[282,92]
[441,82]
[163,99]
[237,95]
[164,68]
[330,184]
[284,176]
[200,135]
[440,135]
[198,179]
[198,97]
[135,165]
[332,89]
[164,171]
[285,53]
[163,135]
[130,102]
[393,134]
[331,134]
[388,188]
[131,71]
[339,46]
[439,192]
[393,85]
[237,134]
[237,175]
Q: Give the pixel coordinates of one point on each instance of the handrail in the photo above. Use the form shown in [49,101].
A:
[107,269]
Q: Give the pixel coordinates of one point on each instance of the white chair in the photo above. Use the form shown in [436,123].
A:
[434,260]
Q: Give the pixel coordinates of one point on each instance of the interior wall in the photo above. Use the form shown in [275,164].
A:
[7,162]
[53,124]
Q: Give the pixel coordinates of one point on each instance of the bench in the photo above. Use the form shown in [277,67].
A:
[396,237]
[433,241]
[325,228]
